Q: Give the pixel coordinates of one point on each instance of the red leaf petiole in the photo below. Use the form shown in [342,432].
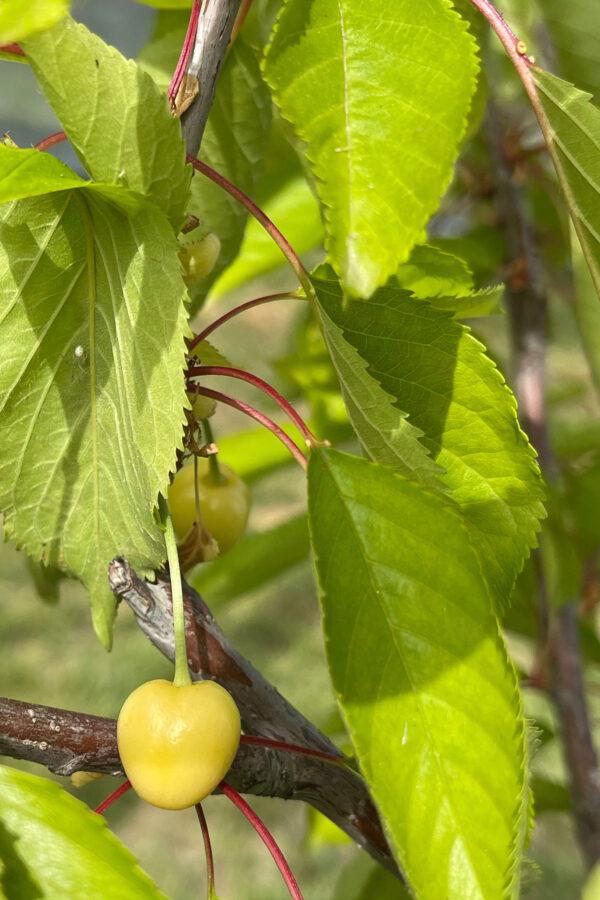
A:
[267,838]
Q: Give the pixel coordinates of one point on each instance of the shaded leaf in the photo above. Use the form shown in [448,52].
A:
[402,78]
[92,320]
[427,366]
[116,118]
[576,36]
[52,845]
[422,675]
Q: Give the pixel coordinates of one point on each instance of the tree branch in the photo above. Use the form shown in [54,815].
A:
[215,24]
[65,741]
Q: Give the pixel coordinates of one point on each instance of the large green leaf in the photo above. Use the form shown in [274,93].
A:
[380,96]
[425,365]
[20,18]
[53,846]
[571,125]
[234,140]
[29,173]
[92,321]
[116,118]
[422,675]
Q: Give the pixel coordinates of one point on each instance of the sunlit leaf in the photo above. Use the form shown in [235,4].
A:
[400,79]
[20,18]
[53,846]
[422,675]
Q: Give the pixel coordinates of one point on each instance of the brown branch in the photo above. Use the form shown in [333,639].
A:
[558,665]
[65,741]
[215,25]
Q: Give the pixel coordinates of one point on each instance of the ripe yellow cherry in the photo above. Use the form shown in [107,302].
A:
[177,743]
[224,507]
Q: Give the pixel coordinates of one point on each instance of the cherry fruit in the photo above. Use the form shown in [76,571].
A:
[177,743]
[224,503]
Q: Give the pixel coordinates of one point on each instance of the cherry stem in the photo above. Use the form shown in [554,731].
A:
[213,463]
[255,381]
[239,21]
[267,838]
[258,417]
[182,673]
[210,864]
[293,748]
[112,797]
[261,217]
[202,335]
[57,138]
[511,42]
[186,50]
[15,49]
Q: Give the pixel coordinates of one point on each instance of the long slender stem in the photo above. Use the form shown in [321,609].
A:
[210,864]
[112,797]
[249,304]
[258,417]
[266,837]
[261,217]
[182,672]
[15,49]
[255,381]
[239,21]
[213,462]
[57,138]
[292,748]
[186,50]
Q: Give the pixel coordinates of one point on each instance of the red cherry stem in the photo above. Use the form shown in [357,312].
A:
[239,21]
[261,217]
[15,49]
[255,381]
[259,417]
[267,838]
[210,864]
[511,42]
[188,45]
[292,748]
[57,138]
[112,797]
[202,335]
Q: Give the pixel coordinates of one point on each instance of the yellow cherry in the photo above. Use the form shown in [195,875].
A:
[177,743]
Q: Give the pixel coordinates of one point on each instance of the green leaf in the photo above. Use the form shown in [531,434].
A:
[20,18]
[53,846]
[447,282]
[116,118]
[591,890]
[427,366]
[296,213]
[422,676]
[354,85]
[571,126]
[92,320]
[253,562]
[383,429]
[29,173]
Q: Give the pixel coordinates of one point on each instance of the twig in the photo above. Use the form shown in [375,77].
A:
[213,33]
